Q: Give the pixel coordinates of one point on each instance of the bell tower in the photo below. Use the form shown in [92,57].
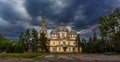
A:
[43,28]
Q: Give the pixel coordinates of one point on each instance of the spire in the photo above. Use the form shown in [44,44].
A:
[43,19]
[72,26]
[43,26]
[43,23]
[62,24]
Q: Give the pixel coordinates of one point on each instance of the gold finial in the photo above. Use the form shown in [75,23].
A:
[62,23]
[42,17]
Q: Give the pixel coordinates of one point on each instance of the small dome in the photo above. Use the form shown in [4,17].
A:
[62,28]
[54,31]
[73,32]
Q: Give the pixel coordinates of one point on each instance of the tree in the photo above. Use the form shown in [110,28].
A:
[4,43]
[78,41]
[27,40]
[84,45]
[18,48]
[94,36]
[43,42]
[94,43]
[109,26]
[21,41]
[34,40]
[10,48]
[90,44]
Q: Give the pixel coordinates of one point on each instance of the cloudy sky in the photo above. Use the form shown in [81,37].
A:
[18,15]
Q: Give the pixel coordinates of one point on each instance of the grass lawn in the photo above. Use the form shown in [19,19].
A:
[116,54]
[22,55]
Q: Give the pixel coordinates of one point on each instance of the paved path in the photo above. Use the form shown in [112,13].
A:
[69,58]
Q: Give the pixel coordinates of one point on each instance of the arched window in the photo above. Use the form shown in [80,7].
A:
[71,35]
[64,43]
[69,49]
[58,35]
[59,42]
[59,48]
[68,43]
[54,49]
[63,34]
[55,35]
[53,42]
[52,35]
[73,49]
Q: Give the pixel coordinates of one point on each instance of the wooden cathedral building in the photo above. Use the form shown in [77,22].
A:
[61,38]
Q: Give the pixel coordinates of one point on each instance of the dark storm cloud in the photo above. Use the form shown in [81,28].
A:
[10,16]
[18,15]
[9,12]
[46,8]
[90,9]
[93,10]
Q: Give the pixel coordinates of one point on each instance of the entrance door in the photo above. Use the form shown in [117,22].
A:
[64,48]
[73,49]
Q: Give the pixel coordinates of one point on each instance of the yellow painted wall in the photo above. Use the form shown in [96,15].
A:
[58,42]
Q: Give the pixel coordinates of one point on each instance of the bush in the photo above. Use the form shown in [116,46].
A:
[0,51]
[22,55]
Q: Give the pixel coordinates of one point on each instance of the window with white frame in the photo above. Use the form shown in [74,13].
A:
[68,43]
[54,49]
[69,49]
[53,42]
[59,49]
[59,42]
[55,35]
[63,34]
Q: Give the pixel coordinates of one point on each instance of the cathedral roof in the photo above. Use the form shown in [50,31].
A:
[73,32]
[62,28]
[54,31]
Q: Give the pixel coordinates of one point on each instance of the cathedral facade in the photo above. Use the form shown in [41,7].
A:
[61,38]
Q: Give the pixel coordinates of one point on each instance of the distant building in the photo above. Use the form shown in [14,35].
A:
[62,39]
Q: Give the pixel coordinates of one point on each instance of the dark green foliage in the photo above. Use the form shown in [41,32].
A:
[31,42]
[34,43]
[43,42]
[110,36]
[84,45]
[27,40]
[23,55]
[78,41]
[9,46]
[110,31]
[18,48]
[4,43]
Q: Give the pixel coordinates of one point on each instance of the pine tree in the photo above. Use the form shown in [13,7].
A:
[107,26]
[27,40]
[34,40]
[43,42]
[78,41]
[21,41]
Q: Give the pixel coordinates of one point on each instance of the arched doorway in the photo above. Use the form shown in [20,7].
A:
[64,48]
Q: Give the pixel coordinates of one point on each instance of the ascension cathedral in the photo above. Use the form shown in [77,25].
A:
[61,38]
